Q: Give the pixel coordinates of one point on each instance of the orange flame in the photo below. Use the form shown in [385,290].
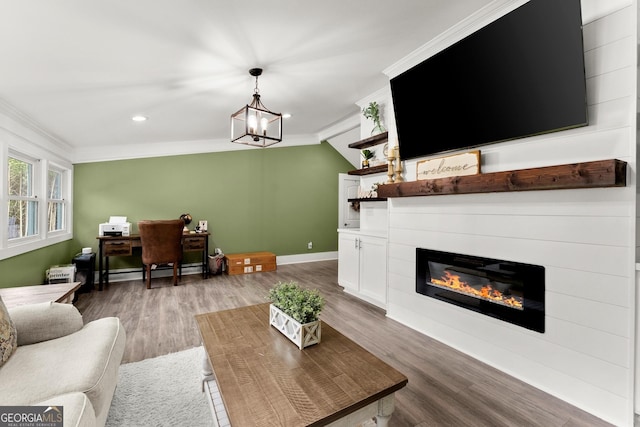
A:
[487,292]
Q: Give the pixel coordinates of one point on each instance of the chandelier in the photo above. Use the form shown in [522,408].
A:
[254,124]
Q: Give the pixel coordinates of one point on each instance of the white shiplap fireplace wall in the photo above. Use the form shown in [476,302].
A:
[585,239]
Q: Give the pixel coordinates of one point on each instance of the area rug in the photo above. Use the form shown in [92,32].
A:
[163,391]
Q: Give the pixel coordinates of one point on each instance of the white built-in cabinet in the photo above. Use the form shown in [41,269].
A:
[362,266]
[362,251]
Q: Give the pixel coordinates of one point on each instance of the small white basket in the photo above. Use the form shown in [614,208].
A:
[61,274]
[301,334]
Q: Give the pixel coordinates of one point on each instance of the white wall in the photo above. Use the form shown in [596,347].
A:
[585,239]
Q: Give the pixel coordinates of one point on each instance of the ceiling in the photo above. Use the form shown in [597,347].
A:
[81,69]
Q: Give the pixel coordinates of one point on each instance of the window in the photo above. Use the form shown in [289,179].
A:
[36,195]
[23,203]
[55,200]
[36,191]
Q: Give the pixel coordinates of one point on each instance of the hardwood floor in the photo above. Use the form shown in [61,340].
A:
[446,387]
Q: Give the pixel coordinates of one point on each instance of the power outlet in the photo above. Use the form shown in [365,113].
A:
[310,245]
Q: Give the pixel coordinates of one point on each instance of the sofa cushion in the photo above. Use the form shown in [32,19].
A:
[85,361]
[76,409]
[8,336]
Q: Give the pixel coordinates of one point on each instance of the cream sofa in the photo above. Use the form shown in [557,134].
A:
[60,361]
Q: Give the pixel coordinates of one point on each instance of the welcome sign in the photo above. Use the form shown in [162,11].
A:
[444,167]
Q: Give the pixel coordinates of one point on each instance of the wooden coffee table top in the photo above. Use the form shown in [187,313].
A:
[266,380]
[59,292]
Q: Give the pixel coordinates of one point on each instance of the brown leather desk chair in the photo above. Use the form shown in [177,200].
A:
[161,244]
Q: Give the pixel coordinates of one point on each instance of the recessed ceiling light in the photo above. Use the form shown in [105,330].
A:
[139,118]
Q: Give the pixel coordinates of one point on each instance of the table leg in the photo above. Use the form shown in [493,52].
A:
[207,372]
[100,266]
[106,271]
[386,406]
[205,256]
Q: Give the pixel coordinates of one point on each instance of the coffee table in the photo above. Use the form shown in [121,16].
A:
[265,380]
[20,295]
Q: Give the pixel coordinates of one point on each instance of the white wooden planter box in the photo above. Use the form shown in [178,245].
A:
[302,335]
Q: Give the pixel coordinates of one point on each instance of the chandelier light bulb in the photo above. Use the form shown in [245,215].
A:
[263,124]
[252,122]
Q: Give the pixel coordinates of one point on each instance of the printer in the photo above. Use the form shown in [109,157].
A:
[117,226]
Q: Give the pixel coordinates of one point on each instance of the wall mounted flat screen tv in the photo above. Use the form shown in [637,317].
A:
[519,76]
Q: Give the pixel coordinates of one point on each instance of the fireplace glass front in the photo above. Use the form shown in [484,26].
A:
[510,291]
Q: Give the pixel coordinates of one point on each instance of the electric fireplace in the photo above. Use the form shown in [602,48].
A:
[510,291]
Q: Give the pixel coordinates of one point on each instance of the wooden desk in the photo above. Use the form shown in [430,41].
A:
[21,295]
[264,379]
[123,246]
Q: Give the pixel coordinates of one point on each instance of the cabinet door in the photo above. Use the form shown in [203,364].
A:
[373,268]
[348,261]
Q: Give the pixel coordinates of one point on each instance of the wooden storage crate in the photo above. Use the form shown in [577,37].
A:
[250,262]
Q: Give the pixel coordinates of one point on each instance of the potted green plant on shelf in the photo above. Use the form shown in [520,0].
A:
[373,112]
[367,155]
[295,311]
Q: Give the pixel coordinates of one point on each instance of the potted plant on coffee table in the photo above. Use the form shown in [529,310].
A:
[295,311]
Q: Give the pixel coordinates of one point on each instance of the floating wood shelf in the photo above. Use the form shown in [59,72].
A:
[368,199]
[370,142]
[597,174]
[370,170]
[355,203]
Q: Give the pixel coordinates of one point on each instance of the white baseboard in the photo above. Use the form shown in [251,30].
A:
[312,257]
[136,274]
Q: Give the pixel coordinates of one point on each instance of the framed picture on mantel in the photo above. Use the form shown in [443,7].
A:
[444,167]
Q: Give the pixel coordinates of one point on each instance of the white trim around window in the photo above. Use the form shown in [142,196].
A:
[42,160]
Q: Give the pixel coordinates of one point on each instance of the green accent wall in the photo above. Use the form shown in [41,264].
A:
[29,268]
[275,199]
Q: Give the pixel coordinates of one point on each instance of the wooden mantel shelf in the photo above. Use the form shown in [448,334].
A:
[597,174]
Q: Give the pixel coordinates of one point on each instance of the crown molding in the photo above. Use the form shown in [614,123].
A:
[26,122]
[175,148]
[591,11]
[384,93]
[339,128]
[467,26]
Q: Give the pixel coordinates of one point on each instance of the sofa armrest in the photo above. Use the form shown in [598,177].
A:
[44,321]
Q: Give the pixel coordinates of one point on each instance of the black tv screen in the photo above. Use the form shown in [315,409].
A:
[519,76]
